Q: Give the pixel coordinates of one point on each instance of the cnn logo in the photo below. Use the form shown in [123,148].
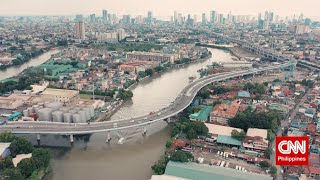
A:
[292,151]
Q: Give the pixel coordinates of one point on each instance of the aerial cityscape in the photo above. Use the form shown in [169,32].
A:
[159,90]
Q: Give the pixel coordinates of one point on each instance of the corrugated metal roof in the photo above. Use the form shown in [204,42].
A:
[203,114]
[228,140]
[205,172]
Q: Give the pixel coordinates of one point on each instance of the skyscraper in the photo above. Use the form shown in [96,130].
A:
[105,15]
[175,17]
[204,20]
[213,17]
[92,18]
[79,30]
[79,18]
[149,17]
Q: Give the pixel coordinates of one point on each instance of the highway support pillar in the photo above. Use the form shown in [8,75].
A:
[169,120]
[144,130]
[38,139]
[108,138]
[71,138]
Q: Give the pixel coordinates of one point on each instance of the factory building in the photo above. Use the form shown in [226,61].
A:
[61,95]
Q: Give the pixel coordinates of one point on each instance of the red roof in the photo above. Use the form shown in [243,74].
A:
[312,128]
[314,170]
[179,143]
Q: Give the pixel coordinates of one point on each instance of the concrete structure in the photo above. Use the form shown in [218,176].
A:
[19,158]
[256,140]
[61,95]
[4,150]
[151,56]
[135,66]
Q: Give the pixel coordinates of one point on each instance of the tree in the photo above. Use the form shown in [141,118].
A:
[264,164]
[270,135]
[273,171]
[168,143]
[181,156]
[191,134]
[199,128]
[11,174]
[6,137]
[268,153]
[41,157]
[238,135]
[175,130]
[26,167]
[20,146]
[6,163]
[160,166]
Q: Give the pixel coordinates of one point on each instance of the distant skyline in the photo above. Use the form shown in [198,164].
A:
[160,8]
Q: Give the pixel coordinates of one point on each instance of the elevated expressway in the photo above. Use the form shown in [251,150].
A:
[183,100]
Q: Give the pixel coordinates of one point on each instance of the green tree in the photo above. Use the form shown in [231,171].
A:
[268,153]
[41,157]
[168,143]
[264,164]
[160,166]
[270,135]
[26,167]
[191,134]
[6,137]
[238,135]
[181,156]
[199,127]
[175,130]
[273,171]
[20,146]
[11,174]
[6,163]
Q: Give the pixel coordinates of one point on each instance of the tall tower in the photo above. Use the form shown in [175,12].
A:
[212,17]
[105,15]
[204,20]
[79,30]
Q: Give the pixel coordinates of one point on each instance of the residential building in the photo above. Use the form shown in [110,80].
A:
[256,139]
[79,30]
[222,112]
[151,56]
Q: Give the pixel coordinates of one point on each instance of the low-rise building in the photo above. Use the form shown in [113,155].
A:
[152,56]
[202,115]
[61,95]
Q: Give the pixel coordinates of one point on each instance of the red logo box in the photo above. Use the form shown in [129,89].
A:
[292,151]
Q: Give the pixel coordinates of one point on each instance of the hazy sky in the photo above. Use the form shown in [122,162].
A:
[160,8]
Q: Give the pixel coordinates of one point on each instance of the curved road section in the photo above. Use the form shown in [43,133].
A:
[183,100]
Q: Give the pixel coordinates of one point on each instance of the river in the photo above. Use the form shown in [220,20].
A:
[93,158]
[15,70]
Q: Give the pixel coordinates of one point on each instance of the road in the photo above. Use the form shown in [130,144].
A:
[181,102]
[284,124]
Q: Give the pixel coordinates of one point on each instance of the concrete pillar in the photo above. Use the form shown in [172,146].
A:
[108,138]
[38,137]
[144,130]
[71,138]
[169,120]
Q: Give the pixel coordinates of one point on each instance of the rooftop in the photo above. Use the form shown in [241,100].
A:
[205,172]
[59,92]
[203,114]
[19,158]
[220,130]
[228,140]
[252,132]
[4,146]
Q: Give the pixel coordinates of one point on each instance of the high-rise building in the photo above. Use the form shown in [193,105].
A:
[213,17]
[266,16]
[259,17]
[121,34]
[221,19]
[80,30]
[92,18]
[149,17]
[79,18]
[105,15]
[270,17]
[126,19]
[195,19]
[175,17]
[204,20]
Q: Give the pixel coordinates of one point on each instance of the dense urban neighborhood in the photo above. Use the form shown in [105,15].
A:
[249,79]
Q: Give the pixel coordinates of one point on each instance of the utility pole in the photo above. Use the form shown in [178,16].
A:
[93,91]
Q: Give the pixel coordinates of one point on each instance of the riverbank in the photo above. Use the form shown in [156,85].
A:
[16,71]
[144,79]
